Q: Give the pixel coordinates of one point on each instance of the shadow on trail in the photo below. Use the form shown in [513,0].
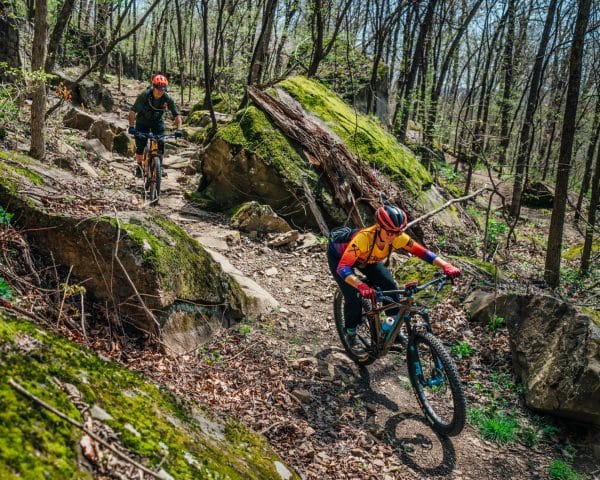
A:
[406,445]
[409,447]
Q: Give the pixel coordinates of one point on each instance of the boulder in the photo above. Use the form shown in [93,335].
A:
[160,280]
[555,351]
[251,159]
[97,149]
[124,145]
[538,195]
[78,119]
[103,131]
[91,94]
[254,217]
[202,118]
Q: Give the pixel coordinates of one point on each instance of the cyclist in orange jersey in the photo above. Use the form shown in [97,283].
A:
[366,252]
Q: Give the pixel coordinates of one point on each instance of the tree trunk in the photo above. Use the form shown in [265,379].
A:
[207,70]
[525,138]
[38,59]
[507,67]
[553,254]
[591,218]
[587,173]
[57,32]
[415,65]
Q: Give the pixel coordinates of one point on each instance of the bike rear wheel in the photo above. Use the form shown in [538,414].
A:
[437,385]
[365,331]
[152,182]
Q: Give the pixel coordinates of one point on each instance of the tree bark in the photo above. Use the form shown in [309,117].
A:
[38,59]
[587,172]
[553,254]
[414,67]
[507,67]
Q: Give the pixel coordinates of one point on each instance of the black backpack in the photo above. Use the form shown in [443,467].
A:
[342,234]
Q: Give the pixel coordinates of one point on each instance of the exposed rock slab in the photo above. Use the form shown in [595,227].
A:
[555,350]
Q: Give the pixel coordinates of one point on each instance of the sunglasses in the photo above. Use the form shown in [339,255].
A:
[393,233]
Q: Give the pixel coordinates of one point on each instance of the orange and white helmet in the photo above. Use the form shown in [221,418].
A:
[160,82]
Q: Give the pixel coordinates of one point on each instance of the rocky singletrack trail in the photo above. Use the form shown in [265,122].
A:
[286,374]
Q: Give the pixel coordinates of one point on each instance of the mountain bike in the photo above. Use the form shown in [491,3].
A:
[431,370]
[152,166]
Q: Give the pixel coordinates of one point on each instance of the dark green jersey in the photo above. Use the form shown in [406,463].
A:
[150,111]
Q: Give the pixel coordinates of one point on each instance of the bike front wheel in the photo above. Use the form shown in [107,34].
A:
[152,185]
[365,332]
[437,385]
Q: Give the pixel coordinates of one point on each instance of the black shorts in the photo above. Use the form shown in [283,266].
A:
[140,143]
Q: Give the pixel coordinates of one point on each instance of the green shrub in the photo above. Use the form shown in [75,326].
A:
[462,350]
[560,470]
[5,217]
[495,323]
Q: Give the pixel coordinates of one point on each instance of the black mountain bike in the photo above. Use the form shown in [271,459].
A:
[431,370]
[152,166]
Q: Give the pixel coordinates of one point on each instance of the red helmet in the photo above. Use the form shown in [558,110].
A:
[391,218]
[160,81]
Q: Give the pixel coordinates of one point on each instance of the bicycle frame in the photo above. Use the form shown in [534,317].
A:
[408,309]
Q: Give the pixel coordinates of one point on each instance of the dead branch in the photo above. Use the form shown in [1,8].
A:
[348,177]
[58,413]
[446,205]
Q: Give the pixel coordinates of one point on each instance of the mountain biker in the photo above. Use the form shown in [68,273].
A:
[365,251]
[146,116]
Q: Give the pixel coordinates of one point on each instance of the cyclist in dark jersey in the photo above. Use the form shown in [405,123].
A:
[146,116]
[366,251]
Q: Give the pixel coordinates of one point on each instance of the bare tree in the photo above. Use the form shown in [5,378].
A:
[553,254]
[38,59]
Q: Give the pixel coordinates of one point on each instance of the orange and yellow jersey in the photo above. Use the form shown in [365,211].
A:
[362,250]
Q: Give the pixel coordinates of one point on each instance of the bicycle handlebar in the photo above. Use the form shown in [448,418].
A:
[151,135]
[382,295]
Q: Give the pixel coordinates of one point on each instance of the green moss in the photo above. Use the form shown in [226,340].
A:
[594,313]
[255,132]
[10,174]
[416,270]
[363,135]
[36,444]
[195,117]
[574,252]
[180,261]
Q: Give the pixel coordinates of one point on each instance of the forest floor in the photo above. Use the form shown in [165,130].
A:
[287,376]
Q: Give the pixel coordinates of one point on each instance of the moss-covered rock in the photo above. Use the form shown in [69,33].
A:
[574,251]
[362,134]
[251,159]
[135,262]
[156,428]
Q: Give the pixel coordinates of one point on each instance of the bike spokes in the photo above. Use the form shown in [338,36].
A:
[436,383]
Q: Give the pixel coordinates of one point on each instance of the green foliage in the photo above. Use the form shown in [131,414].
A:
[495,323]
[462,350]
[5,217]
[497,427]
[560,470]
[494,231]
[6,292]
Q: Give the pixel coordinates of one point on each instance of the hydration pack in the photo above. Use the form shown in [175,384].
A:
[342,234]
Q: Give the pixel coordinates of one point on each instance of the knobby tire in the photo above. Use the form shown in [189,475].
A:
[436,400]
[155,175]
[365,331]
